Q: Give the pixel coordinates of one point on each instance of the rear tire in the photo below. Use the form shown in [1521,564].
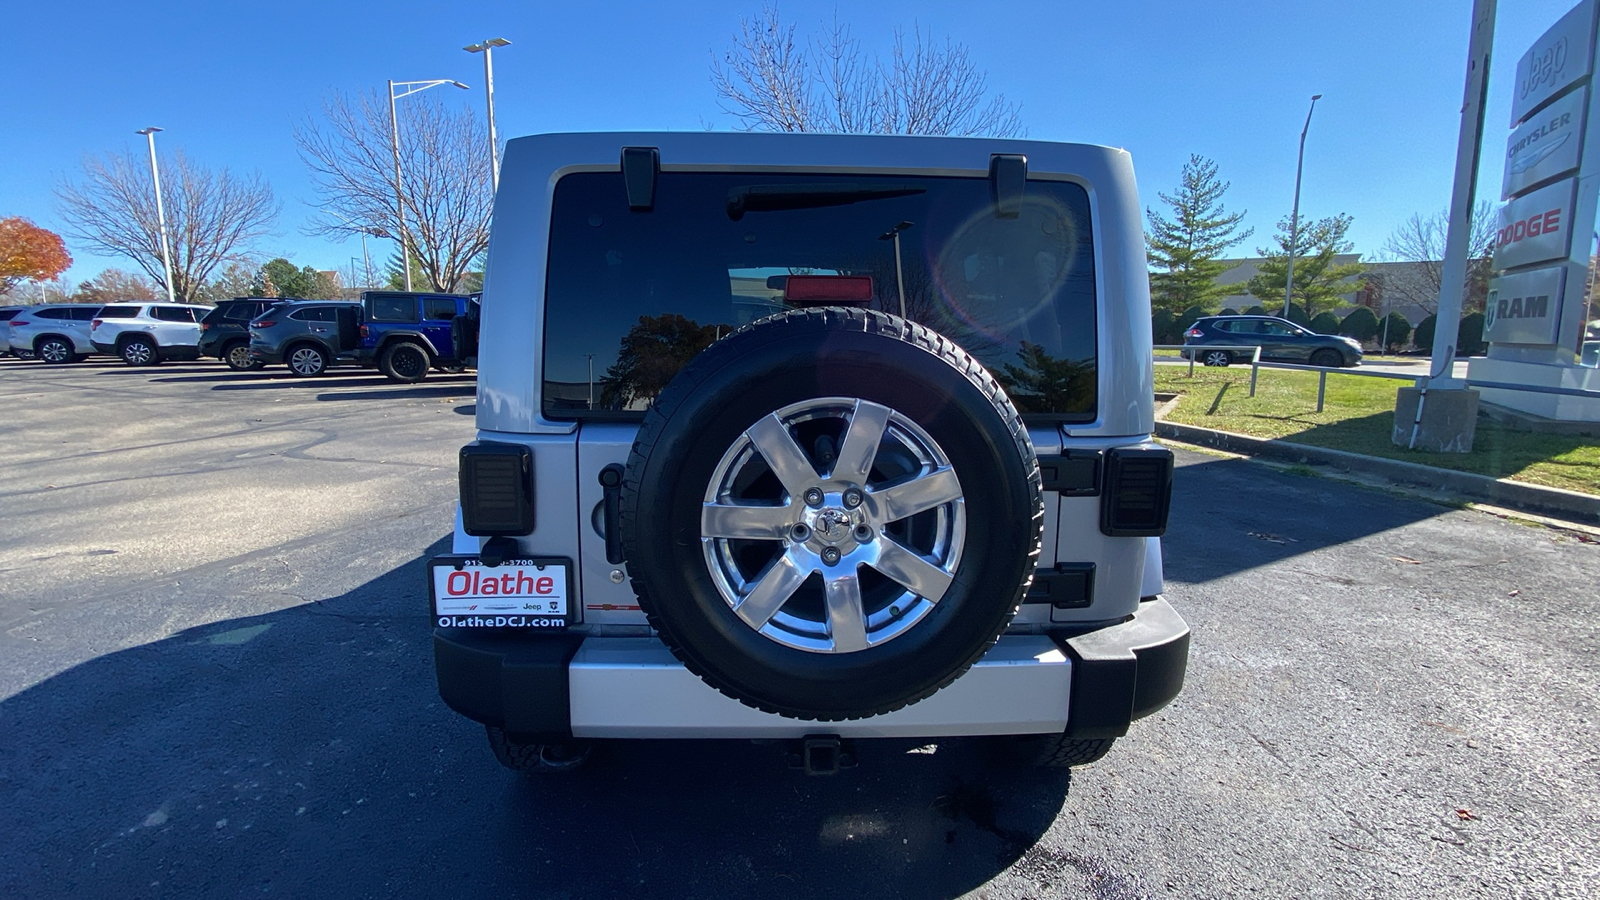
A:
[139,351]
[55,351]
[307,360]
[405,362]
[237,356]
[1221,358]
[1054,751]
[1328,359]
[536,759]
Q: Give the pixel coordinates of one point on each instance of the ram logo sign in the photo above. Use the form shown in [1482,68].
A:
[1525,307]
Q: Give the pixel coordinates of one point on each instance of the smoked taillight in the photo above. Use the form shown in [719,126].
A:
[496,489]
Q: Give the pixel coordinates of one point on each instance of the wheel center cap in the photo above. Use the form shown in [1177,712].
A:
[832,524]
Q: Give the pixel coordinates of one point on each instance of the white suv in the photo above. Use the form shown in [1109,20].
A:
[144,334]
[810,437]
[55,333]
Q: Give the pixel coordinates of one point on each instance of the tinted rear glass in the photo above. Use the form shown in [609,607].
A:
[119,312]
[242,312]
[393,309]
[83,313]
[7,315]
[172,313]
[642,293]
[438,308]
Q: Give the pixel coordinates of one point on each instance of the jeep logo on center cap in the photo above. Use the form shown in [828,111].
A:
[832,524]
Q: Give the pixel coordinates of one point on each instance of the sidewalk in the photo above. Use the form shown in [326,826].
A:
[1546,501]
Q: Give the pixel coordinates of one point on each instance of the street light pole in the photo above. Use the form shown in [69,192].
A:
[1294,217]
[407,89]
[161,212]
[487,49]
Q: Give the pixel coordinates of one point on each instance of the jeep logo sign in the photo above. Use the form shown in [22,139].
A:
[1525,307]
[1534,227]
[1546,145]
[1557,59]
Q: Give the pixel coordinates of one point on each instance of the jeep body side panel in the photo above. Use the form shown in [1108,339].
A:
[509,388]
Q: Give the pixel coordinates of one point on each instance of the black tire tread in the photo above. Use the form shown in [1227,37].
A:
[697,372]
[1060,752]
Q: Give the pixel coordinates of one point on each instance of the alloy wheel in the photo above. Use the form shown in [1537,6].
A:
[840,561]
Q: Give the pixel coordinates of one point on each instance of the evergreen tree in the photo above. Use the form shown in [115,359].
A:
[1184,251]
[1318,280]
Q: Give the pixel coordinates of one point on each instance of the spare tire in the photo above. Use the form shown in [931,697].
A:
[831,514]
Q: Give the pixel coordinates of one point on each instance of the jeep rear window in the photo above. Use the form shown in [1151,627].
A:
[638,294]
[393,309]
[118,312]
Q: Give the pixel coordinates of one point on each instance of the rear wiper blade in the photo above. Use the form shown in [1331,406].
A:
[774,197]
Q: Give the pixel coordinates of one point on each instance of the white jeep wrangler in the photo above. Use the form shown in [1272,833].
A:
[810,437]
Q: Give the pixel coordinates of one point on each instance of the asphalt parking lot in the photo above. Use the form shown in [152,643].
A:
[217,682]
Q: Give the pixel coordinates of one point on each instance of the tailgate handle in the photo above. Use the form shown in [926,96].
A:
[611,483]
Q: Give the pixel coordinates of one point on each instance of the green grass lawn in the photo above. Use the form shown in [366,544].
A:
[1359,417]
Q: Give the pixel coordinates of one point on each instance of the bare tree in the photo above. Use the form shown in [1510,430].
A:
[212,216]
[771,81]
[446,189]
[112,285]
[1420,243]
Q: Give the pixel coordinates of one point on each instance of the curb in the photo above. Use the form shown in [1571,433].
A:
[1557,503]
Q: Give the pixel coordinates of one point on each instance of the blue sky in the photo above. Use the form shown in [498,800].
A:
[1162,79]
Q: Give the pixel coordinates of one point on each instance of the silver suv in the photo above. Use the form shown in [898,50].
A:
[144,334]
[55,333]
[813,438]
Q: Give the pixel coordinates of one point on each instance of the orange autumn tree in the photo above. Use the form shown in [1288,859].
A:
[29,253]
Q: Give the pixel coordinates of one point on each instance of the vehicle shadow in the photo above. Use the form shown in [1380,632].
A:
[276,377]
[1216,530]
[458,388]
[305,752]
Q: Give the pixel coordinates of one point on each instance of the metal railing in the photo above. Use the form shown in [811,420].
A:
[1322,373]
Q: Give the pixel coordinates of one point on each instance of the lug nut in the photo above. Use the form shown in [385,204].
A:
[830,556]
[813,497]
[863,533]
[800,532]
[852,498]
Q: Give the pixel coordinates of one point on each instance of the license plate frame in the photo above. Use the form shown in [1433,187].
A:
[515,610]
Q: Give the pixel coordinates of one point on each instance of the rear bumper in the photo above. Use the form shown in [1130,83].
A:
[555,686]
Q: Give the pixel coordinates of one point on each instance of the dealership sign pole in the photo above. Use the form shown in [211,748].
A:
[1534,315]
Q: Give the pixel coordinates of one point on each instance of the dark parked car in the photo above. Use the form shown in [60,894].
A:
[308,336]
[225,331]
[406,334]
[1280,340]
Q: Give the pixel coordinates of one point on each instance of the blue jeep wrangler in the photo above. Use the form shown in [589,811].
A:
[407,333]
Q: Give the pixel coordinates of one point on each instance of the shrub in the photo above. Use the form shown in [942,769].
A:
[1255,311]
[1164,328]
[1228,311]
[1423,338]
[1361,324]
[1191,315]
[1399,331]
[1325,323]
[1469,337]
[1297,315]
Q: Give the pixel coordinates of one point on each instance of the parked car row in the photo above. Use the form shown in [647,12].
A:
[403,334]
